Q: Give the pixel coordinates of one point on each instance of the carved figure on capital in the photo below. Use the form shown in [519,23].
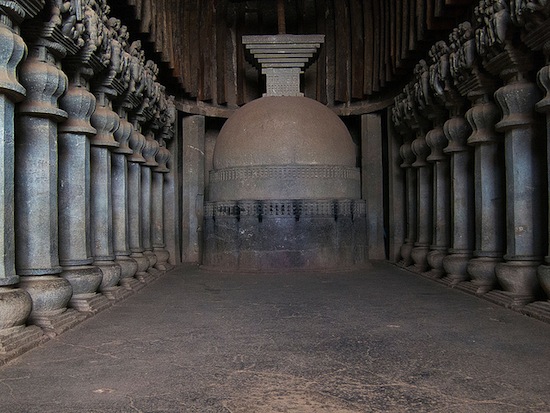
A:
[439,68]
[530,13]
[421,85]
[497,41]
[61,30]
[468,76]
[441,81]
[169,115]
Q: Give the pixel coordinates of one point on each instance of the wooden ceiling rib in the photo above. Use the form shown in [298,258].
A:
[370,45]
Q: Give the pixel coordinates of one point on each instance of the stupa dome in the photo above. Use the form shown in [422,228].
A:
[284,130]
[284,147]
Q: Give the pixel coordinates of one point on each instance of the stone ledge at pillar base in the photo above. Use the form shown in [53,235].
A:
[469,287]
[17,340]
[132,284]
[145,277]
[507,299]
[539,310]
[154,272]
[433,274]
[117,293]
[165,266]
[90,303]
[55,324]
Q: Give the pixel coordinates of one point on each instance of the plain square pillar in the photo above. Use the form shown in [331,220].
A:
[372,183]
[193,128]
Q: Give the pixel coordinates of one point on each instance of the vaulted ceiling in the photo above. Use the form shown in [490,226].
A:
[369,51]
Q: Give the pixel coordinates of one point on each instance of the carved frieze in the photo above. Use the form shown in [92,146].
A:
[289,172]
[286,208]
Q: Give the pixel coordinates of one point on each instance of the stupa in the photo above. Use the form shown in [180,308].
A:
[284,191]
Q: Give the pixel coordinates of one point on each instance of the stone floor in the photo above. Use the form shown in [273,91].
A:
[380,340]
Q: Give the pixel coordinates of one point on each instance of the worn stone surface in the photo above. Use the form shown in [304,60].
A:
[374,341]
[268,236]
[313,135]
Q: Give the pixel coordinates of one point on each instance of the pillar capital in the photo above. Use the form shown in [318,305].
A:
[150,150]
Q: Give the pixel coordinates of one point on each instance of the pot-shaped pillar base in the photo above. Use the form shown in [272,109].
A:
[456,267]
[129,268]
[519,281]
[162,259]
[406,252]
[143,264]
[419,255]
[152,258]
[50,296]
[435,261]
[85,281]
[482,272]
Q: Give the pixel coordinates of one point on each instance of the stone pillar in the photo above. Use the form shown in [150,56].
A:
[373,184]
[475,85]
[400,124]
[455,263]
[74,196]
[424,199]
[209,143]
[526,196]
[396,189]
[536,35]
[437,96]
[15,303]
[544,107]
[36,208]
[525,193]
[106,122]
[193,187]
[149,152]
[157,227]
[172,201]
[437,141]
[137,142]
[410,203]
[416,116]
[489,193]
[120,190]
